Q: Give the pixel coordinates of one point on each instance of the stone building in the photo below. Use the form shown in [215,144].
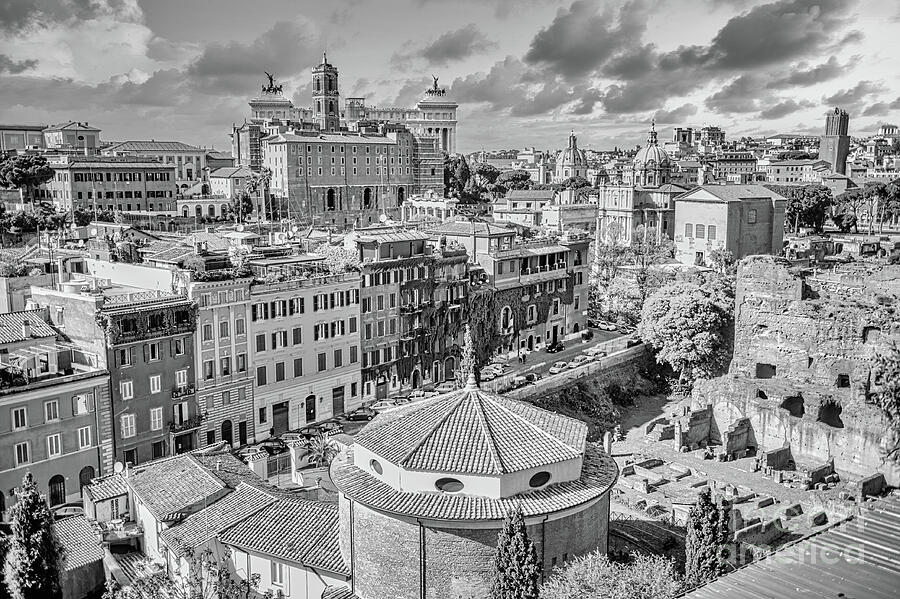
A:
[189,161]
[743,219]
[570,162]
[803,350]
[834,146]
[425,488]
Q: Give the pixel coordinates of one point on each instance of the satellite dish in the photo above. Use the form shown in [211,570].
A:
[294,229]
[118,468]
[81,243]
[93,231]
[240,227]
[383,218]
[290,234]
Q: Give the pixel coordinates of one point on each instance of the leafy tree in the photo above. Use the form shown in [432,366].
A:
[25,172]
[707,534]
[486,173]
[338,259]
[516,567]
[691,327]
[807,205]
[83,217]
[258,186]
[883,390]
[874,195]
[576,182]
[593,576]
[241,206]
[204,577]
[322,450]
[847,208]
[33,561]
[646,252]
[515,179]
[723,262]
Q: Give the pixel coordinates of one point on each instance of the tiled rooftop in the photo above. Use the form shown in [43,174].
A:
[11,326]
[81,542]
[169,486]
[598,474]
[151,146]
[293,530]
[469,431]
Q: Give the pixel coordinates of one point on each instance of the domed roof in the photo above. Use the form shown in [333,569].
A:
[470,431]
[651,153]
[572,156]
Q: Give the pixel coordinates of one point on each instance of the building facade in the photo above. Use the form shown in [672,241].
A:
[797,171]
[189,161]
[570,162]
[72,136]
[834,146]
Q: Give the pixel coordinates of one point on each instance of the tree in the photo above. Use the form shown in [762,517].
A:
[691,328]
[847,207]
[593,576]
[515,179]
[258,185]
[486,173]
[25,172]
[707,533]
[241,207]
[338,259]
[204,577]
[33,562]
[576,182]
[807,205]
[322,450]
[516,566]
[874,195]
[883,390]
[468,363]
[83,217]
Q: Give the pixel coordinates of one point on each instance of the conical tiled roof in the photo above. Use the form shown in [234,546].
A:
[472,432]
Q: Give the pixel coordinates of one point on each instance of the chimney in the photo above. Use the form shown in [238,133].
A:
[127,469]
[26,329]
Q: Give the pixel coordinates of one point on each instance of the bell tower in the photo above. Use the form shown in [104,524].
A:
[325,96]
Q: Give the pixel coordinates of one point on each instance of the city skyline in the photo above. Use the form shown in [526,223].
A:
[524,73]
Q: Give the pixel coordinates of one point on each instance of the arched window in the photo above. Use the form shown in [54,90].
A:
[401,195]
[329,200]
[505,318]
[199,211]
[211,210]
[85,476]
[226,431]
[367,198]
[57,490]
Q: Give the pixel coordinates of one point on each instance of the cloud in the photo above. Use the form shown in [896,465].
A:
[853,94]
[449,47]
[784,108]
[676,115]
[17,15]
[802,75]
[582,38]
[882,108]
[14,67]
[740,95]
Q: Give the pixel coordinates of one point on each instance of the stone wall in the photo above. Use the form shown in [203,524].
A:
[804,343]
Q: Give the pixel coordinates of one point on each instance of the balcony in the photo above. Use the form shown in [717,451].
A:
[187,424]
[183,390]
[542,275]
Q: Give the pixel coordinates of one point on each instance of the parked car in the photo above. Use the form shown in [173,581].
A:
[595,352]
[632,341]
[381,406]
[363,414]
[446,387]
[531,377]
[555,347]
[519,381]
[68,509]
[500,360]
[558,367]
[497,369]
[487,375]
[332,426]
[582,359]
[587,335]
[288,437]
[417,395]
[574,364]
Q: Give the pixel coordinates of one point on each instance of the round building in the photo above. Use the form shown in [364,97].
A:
[425,488]
[651,166]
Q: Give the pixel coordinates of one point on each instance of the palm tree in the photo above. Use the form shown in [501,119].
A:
[322,450]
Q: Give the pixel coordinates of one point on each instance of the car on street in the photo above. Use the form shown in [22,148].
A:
[595,352]
[288,437]
[582,359]
[363,414]
[446,387]
[381,406]
[488,375]
[555,347]
[632,341]
[532,377]
[500,360]
[67,509]
[558,367]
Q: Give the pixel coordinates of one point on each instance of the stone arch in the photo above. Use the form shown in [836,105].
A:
[57,490]
[227,432]
[223,210]
[416,379]
[198,210]
[367,198]
[506,318]
[330,202]
[401,195]
[211,210]
[449,367]
[184,212]
[85,476]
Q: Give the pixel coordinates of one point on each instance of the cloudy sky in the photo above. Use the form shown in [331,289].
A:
[525,72]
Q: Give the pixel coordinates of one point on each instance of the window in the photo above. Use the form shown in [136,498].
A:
[128,427]
[209,371]
[277,574]
[179,347]
[297,336]
[153,352]
[54,446]
[51,411]
[322,365]
[126,388]
[207,332]
[223,329]
[19,418]
[298,367]
[338,358]
[700,232]
[155,384]
[279,371]
[688,230]
[156,419]
[22,453]
[239,326]
[261,342]
[354,357]
[181,378]
[126,357]
[711,232]
[225,364]
[84,437]
[242,362]
[262,415]
[260,375]
[751,216]
[226,398]
[353,324]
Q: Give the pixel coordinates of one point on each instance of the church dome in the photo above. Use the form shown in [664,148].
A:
[572,156]
[651,155]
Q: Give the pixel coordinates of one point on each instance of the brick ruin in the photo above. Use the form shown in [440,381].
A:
[804,342]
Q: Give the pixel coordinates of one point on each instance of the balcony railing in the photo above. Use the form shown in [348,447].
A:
[186,424]
[183,390]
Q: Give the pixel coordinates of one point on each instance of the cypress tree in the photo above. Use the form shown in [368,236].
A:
[707,533]
[33,561]
[516,568]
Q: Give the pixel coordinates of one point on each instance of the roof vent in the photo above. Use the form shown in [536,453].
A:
[26,329]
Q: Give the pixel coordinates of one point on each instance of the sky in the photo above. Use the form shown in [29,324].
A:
[525,72]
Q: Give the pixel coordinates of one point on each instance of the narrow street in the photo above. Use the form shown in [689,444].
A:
[540,361]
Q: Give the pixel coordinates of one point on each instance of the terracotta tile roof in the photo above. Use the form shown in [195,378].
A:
[80,540]
[108,487]
[151,146]
[174,255]
[598,474]
[295,530]
[334,592]
[11,326]
[202,526]
[472,432]
[169,486]
[465,228]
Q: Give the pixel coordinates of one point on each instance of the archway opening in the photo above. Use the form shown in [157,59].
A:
[329,200]
[85,476]
[226,432]
[57,490]
[367,198]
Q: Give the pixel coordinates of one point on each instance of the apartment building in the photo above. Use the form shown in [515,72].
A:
[304,344]
[55,409]
[797,171]
[221,345]
[189,161]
